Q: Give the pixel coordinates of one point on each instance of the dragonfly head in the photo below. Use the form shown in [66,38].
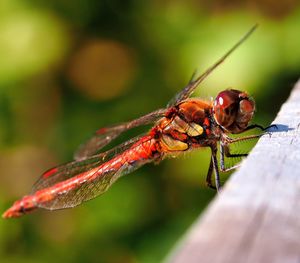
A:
[233,110]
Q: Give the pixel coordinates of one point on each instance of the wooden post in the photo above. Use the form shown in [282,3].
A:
[256,218]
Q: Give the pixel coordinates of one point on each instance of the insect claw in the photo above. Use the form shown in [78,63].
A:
[267,133]
[208,184]
[271,126]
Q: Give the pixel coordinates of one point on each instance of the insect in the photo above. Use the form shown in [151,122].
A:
[185,124]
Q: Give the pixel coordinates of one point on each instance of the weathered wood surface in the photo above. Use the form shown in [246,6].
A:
[256,218]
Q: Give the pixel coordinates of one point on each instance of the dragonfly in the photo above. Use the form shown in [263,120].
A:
[186,123]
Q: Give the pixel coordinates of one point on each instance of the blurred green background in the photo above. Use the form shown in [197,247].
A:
[68,68]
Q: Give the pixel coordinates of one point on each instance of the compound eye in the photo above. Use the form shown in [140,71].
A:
[226,107]
[225,99]
[246,106]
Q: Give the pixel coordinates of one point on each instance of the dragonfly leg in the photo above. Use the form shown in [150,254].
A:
[225,151]
[254,126]
[227,140]
[209,175]
[215,167]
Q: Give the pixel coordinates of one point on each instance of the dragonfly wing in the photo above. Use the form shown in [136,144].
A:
[193,84]
[100,139]
[73,183]
[104,136]
[90,190]
[83,186]
[68,170]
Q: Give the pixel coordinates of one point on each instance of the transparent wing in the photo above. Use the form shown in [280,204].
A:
[104,136]
[68,170]
[89,190]
[193,84]
[87,179]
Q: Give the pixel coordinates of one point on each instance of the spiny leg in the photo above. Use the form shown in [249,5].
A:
[228,140]
[254,126]
[225,151]
[209,175]
[215,166]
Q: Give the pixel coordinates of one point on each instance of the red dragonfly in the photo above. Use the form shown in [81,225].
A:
[186,123]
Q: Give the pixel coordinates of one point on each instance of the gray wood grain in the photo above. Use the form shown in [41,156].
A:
[256,218]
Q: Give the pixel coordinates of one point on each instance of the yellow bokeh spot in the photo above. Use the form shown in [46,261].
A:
[30,42]
[102,69]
